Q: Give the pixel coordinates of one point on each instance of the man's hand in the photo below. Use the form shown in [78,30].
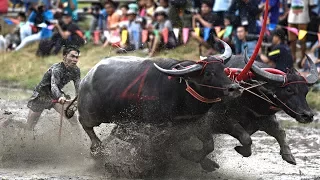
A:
[196,16]
[62,100]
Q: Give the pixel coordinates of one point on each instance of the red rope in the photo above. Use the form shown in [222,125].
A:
[256,50]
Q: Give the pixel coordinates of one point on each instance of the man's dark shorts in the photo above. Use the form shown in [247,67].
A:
[40,101]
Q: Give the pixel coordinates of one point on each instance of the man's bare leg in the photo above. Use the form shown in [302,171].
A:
[33,118]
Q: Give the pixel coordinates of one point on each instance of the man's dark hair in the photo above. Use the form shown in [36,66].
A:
[245,28]
[111,3]
[208,3]
[227,16]
[124,6]
[69,48]
[22,15]
[279,33]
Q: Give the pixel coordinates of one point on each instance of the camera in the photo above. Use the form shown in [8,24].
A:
[192,11]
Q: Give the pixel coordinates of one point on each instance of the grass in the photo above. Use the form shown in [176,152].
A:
[25,70]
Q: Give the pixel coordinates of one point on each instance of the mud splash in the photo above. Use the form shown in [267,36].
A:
[38,155]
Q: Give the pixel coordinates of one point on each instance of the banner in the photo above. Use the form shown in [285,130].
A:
[302,34]
[185,34]
[221,33]
[197,31]
[217,29]
[176,32]
[88,35]
[124,36]
[156,33]
[144,36]
[293,30]
[96,35]
[165,35]
[228,32]
[206,33]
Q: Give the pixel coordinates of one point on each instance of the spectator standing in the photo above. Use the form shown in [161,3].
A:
[97,17]
[280,56]
[298,18]
[71,6]
[274,10]
[220,7]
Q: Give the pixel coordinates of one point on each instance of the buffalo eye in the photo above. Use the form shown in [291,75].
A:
[206,73]
[289,90]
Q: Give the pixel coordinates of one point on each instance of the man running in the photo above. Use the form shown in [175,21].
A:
[48,93]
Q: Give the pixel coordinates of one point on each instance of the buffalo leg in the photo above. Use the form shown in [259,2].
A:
[200,156]
[272,127]
[95,141]
[238,132]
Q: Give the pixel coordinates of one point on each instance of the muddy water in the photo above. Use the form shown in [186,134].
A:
[37,155]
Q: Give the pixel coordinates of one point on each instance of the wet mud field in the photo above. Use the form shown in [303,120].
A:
[39,155]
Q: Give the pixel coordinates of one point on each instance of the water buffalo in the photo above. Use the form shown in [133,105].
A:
[249,113]
[158,91]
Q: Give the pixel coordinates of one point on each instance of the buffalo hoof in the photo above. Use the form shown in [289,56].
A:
[289,158]
[96,150]
[209,165]
[244,151]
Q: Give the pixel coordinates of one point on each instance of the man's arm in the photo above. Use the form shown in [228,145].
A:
[64,34]
[202,21]
[77,82]
[55,80]
[72,5]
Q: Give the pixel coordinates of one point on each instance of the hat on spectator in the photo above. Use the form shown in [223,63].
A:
[160,11]
[131,11]
[133,6]
[66,13]
[279,33]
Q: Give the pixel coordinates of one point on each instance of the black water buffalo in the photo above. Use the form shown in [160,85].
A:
[249,113]
[158,91]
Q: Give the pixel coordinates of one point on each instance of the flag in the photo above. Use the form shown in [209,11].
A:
[197,31]
[156,33]
[124,36]
[144,36]
[302,34]
[293,30]
[8,21]
[165,35]
[96,35]
[206,33]
[272,27]
[217,29]
[176,32]
[228,31]
[88,35]
[221,33]
[185,33]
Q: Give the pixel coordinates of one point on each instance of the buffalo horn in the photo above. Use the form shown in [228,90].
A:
[312,78]
[276,78]
[178,72]
[227,51]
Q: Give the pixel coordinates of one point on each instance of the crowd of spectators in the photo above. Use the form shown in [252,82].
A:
[150,25]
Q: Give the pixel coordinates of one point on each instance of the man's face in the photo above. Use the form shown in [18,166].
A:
[71,59]
[275,40]
[160,17]
[163,3]
[205,9]
[109,9]
[131,17]
[67,19]
[241,33]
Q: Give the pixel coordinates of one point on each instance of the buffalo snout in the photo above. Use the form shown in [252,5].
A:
[306,117]
[233,90]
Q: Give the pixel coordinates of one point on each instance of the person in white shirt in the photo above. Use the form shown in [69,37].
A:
[298,18]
